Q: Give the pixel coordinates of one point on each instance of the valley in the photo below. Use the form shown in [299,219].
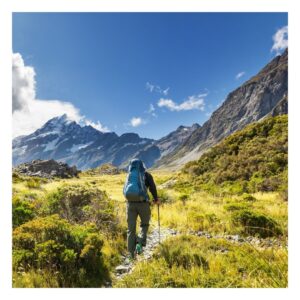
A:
[72,232]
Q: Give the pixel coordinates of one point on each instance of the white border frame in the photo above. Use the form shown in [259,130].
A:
[7,7]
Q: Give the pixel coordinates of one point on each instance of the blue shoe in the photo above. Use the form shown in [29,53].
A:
[138,248]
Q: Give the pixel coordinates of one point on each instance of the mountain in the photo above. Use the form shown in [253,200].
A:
[64,140]
[171,141]
[84,146]
[263,95]
[58,138]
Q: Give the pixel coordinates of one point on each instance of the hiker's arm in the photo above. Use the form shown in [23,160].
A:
[151,185]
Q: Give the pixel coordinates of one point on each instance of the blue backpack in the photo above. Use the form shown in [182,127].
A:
[134,188]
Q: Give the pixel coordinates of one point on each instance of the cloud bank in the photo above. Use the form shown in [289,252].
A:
[195,102]
[30,113]
[280,40]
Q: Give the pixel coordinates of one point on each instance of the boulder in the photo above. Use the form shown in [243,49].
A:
[47,169]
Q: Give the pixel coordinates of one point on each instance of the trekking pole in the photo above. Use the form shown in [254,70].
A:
[158,223]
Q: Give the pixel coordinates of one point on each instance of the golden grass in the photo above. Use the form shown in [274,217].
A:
[199,211]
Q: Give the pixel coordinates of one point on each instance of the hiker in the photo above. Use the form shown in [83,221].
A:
[138,204]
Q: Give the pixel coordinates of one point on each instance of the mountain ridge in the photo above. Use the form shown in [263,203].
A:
[65,140]
[253,100]
[62,139]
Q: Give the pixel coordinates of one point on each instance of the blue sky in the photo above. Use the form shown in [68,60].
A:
[163,69]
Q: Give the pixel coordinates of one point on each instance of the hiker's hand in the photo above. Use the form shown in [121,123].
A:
[157,202]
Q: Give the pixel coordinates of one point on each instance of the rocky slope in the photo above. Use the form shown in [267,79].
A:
[171,141]
[262,95]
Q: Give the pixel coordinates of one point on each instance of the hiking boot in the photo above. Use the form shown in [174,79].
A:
[138,248]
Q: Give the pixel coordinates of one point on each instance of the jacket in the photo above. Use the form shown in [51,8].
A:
[150,184]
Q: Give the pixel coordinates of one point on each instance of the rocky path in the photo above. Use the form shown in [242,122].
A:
[152,242]
[127,266]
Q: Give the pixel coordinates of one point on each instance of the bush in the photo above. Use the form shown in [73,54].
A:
[201,221]
[256,224]
[248,198]
[50,244]
[33,183]
[183,198]
[163,196]
[82,203]
[22,211]
[235,206]
[16,177]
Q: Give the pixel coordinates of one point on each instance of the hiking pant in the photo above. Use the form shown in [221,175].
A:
[135,209]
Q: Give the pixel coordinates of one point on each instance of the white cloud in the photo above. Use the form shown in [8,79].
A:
[136,121]
[239,75]
[156,88]
[195,102]
[150,87]
[30,113]
[151,110]
[280,40]
[96,125]
[166,91]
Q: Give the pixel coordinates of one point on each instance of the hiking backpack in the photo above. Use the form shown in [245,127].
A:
[134,188]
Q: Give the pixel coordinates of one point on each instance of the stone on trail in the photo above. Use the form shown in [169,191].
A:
[122,269]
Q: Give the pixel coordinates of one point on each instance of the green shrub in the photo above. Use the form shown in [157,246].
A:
[22,211]
[16,177]
[256,224]
[234,187]
[201,221]
[82,203]
[183,198]
[33,183]
[163,196]
[235,206]
[71,255]
[248,198]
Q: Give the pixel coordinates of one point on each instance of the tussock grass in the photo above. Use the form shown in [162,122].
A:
[206,212]
[189,261]
[180,262]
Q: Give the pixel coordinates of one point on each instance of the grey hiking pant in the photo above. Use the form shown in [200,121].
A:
[135,209]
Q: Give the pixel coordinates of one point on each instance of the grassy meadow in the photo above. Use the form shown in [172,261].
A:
[90,212]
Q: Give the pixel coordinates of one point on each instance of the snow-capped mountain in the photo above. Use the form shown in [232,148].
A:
[84,146]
